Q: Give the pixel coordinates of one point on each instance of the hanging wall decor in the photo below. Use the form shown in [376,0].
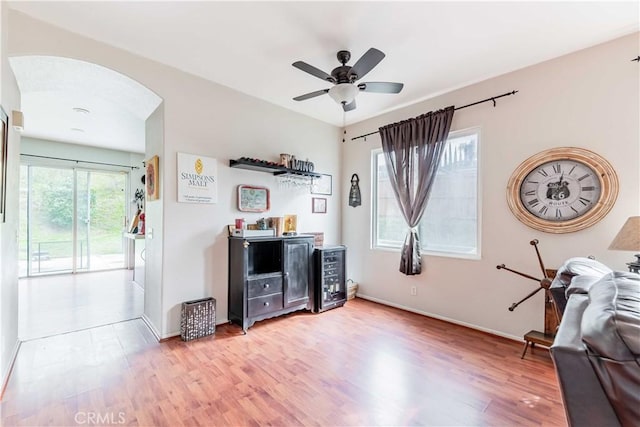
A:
[152,179]
[197,179]
[355,199]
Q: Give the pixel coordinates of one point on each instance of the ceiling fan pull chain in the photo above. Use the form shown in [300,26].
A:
[344,124]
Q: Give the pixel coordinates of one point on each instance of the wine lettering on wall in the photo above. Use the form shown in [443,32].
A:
[290,161]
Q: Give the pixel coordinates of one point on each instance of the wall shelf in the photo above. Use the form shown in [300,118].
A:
[269,167]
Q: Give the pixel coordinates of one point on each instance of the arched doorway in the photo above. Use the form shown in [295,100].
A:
[82,155]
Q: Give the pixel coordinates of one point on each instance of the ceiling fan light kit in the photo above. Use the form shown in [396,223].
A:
[343,93]
[344,77]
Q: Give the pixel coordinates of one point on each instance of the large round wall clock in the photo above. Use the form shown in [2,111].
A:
[562,190]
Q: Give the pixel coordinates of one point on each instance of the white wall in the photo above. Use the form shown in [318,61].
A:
[587,99]
[10,100]
[207,119]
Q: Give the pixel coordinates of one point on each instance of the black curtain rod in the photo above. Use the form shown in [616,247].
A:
[493,98]
[80,161]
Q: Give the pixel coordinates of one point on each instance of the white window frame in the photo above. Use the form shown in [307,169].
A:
[388,246]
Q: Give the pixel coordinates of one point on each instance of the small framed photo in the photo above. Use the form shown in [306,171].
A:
[319,205]
[322,185]
[253,199]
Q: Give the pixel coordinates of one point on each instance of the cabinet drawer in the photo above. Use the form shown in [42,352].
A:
[264,286]
[262,305]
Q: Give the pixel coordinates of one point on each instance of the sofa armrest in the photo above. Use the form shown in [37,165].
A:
[585,401]
[611,332]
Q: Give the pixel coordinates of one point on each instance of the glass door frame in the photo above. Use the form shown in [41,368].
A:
[75,222]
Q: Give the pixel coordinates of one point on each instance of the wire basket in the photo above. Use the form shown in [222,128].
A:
[352,288]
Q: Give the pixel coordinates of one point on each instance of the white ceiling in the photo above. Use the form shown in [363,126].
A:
[82,103]
[431,47]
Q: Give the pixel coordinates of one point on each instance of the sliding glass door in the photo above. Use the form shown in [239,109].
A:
[71,220]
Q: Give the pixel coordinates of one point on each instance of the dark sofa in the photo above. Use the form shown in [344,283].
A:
[596,351]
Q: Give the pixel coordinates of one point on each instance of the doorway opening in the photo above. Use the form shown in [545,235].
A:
[74,209]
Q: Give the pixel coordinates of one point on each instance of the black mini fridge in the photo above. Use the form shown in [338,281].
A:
[329,281]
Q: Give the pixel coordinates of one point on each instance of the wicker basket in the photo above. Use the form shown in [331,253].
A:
[198,319]
[352,288]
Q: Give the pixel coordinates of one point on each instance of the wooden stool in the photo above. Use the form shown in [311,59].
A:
[535,337]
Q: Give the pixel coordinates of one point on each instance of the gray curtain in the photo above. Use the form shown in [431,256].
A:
[413,149]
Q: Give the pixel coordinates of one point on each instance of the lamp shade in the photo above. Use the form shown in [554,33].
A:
[628,238]
[343,93]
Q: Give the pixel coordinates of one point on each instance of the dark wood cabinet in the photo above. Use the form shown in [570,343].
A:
[330,277]
[268,277]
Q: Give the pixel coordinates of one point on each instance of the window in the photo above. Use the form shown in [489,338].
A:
[450,224]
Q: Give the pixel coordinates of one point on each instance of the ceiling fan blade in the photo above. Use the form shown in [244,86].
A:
[381,87]
[313,71]
[311,95]
[350,106]
[370,59]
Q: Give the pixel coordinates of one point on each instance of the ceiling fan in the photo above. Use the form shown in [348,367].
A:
[344,77]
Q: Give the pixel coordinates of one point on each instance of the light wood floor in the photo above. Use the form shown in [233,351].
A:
[50,305]
[363,364]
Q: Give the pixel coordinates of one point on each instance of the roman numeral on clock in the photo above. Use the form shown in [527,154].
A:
[543,210]
[557,168]
[558,213]
[543,172]
[589,188]
[533,202]
[584,201]
[530,193]
[583,177]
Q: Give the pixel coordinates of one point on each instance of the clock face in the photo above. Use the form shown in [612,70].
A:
[562,190]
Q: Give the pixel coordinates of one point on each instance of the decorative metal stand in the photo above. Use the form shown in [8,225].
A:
[551,321]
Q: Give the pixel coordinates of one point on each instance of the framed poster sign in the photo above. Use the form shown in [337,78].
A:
[197,179]
[253,199]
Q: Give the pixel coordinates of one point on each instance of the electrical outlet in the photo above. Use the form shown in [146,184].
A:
[414,290]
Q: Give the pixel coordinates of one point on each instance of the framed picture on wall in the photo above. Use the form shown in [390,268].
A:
[322,185]
[4,146]
[253,199]
[152,182]
[319,205]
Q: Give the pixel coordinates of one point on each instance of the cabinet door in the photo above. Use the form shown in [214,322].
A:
[297,270]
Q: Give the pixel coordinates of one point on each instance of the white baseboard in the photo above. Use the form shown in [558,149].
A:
[176,334]
[152,328]
[437,316]
[7,374]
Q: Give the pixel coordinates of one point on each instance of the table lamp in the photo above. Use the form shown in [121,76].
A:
[628,239]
